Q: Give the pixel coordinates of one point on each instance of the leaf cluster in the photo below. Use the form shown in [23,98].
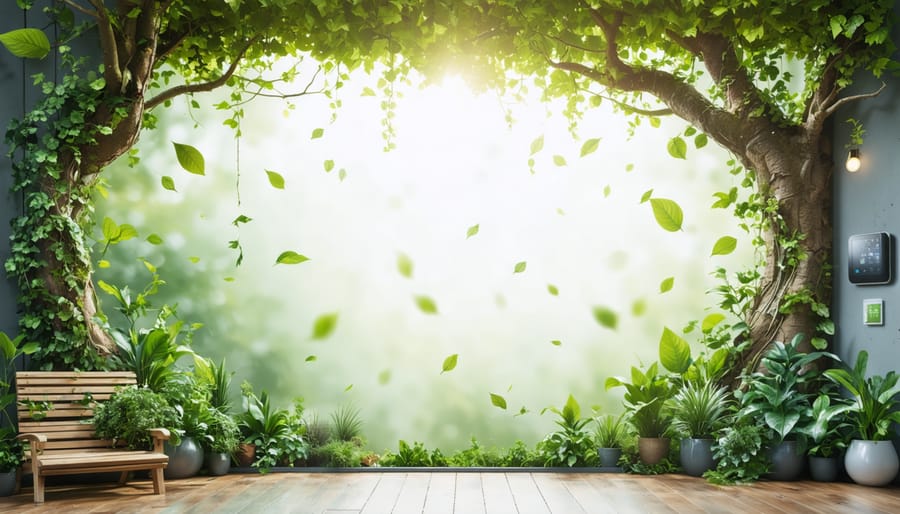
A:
[130,412]
[875,398]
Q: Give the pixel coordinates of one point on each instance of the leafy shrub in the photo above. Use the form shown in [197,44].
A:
[519,456]
[414,456]
[573,445]
[130,412]
[345,423]
[475,456]
[739,455]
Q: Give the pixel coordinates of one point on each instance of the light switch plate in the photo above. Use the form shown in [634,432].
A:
[873,312]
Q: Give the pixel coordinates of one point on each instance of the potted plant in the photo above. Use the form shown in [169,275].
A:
[128,415]
[10,448]
[186,455]
[871,458]
[223,437]
[262,426]
[572,446]
[828,433]
[698,411]
[609,436]
[776,397]
[646,402]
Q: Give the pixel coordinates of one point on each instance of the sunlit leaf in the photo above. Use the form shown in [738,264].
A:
[606,191]
[556,342]
[241,219]
[275,179]
[629,167]
[328,165]
[228,279]
[103,264]
[168,183]
[710,322]
[190,158]
[559,160]
[26,43]
[194,259]
[367,91]
[154,239]
[405,265]
[724,246]
[498,401]
[646,196]
[472,231]
[667,213]
[311,358]
[606,317]
[522,411]
[590,146]
[324,325]
[384,377]
[666,285]
[560,211]
[639,307]
[677,147]
[449,363]
[537,145]
[700,141]
[520,267]
[348,388]
[426,305]
[317,133]
[674,352]
[290,257]
[342,174]
[552,289]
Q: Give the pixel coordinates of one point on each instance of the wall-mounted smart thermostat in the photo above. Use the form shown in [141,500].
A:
[870,258]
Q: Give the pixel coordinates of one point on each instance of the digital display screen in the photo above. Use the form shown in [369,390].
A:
[870,258]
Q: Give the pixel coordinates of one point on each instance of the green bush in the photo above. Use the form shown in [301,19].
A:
[130,412]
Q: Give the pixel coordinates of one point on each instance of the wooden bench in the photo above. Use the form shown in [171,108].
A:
[54,411]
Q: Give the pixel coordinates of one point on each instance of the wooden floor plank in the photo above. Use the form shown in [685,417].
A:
[525,491]
[469,498]
[385,495]
[557,497]
[441,491]
[412,495]
[498,499]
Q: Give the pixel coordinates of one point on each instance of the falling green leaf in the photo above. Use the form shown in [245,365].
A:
[724,246]
[348,388]
[639,307]
[666,285]
[560,211]
[559,160]
[552,289]
[194,259]
[677,148]
[405,265]
[154,239]
[103,264]
[426,305]
[275,179]
[674,352]
[168,183]
[520,267]
[26,43]
[472,231]
[384,377]
[324,325]
[606,191]
[523,411]
[710,322]
[449,363]
[311,358]
[290,257]
[537,145]
[646,196]
[606,317]
[629,168]
[328,165]
[190,159]
[590,146]
[228,279]
[700,140]
[498,401]
[241,219]
[667,213]
[556,342]
[317,133]
[342,174]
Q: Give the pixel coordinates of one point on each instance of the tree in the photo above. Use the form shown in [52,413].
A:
[723,66]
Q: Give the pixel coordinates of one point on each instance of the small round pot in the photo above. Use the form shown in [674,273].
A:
[872,463]
[245,454]
[823,469]
[652,450]
[218,463]
[609,457]
[787,461]
[7,482]
[185,460]
[696,456]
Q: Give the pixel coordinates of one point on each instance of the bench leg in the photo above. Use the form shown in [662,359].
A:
[123,478]
[159,484]
[38,488]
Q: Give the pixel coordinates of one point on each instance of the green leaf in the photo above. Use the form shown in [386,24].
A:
[668,214]
[26,43]
[472,231]
[498,401]
[590,146]
[367,91]
[449,363]
[405,265]
[342,174]
[639,307]
[552,289]
[103,264]
[290,257]
[275,179]
[819,343]
[311,358]
[710,322]
[384,377]
[168,183]
[348,388]
[190,159]
[674,352]
[724,246]
[559,160]
[317,133]
[606,317]
[154,239]
[677,148]
[328,165]
[537,145]
[110,229]
[666,285]
[606,191]
[646,196]
[520,267]
[556,342]
[700,140]
[324,325]
[426,305]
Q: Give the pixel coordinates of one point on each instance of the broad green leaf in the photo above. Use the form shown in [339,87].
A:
[552,289]
[154,239]
[311,358]
[590,146]
[449,363]
[646,196]
[26,43]
[559,160]
[520,267]
[168,183]
[674,352]
[290,257]
[348,388]
[190,159]
[677,148]
[317,133]
[667,213]
[498,401]
[324,325]
[275,179]
[241,219]
[103,264]
[537,145]
[367,91]
[126,232]
[818,343]
[110,229]
[571,410]
[710,322]
[426,305]
[560,211]
[472,231]
[405,265]
[556,342]
[700,140]
[606,317]
[328,165]
[666,285]
[724,246]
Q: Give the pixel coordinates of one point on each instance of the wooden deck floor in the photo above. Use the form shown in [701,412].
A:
[464,493]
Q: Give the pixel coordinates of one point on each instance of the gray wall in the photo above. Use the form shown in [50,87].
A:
[868,201]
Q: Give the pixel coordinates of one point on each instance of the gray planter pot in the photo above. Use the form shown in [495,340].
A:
[823,469]
[218,464]
[871,462]
[185,460]
[609,457]
[7,482]
[787,461]
[696,456]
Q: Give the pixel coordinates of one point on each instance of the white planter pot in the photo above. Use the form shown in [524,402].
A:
[871,462]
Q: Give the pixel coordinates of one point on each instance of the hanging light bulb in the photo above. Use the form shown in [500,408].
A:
[853,160]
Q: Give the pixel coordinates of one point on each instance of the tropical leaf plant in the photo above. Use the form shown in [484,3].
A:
[875,398]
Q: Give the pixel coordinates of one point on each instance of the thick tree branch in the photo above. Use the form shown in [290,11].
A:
[112,73]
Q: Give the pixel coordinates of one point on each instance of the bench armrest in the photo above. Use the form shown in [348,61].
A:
[36,442]
[159,435]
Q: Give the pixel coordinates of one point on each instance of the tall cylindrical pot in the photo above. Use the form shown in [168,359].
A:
[871,462]
[787,461]
[696,456]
